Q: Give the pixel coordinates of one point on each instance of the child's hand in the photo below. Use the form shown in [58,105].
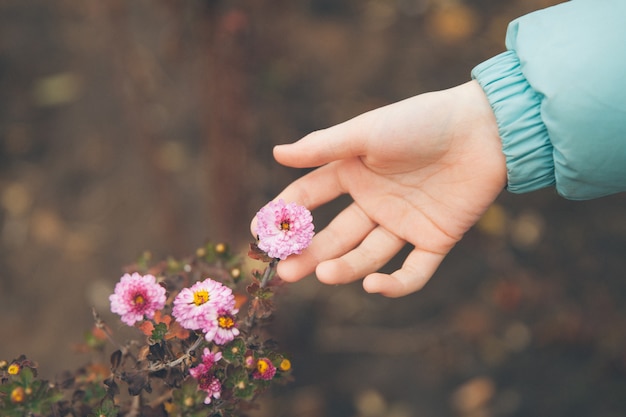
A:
[421,171]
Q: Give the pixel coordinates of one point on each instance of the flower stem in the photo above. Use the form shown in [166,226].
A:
[269,272]
[194,346]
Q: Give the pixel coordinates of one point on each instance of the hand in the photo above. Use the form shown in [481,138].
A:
[421,171]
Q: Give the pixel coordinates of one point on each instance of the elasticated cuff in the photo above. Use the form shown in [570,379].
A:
[517,107]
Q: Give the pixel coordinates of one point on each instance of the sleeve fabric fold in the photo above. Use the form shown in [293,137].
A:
[559,97]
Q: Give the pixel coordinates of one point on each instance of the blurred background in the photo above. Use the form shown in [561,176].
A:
[139,125]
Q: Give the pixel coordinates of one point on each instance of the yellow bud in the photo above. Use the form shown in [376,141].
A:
[170,407]
[285,365]
[200,252]
[221,248]
[17,395]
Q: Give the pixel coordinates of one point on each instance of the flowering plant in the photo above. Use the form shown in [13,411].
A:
[204,350]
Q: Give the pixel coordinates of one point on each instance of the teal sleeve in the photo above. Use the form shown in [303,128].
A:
[559,97]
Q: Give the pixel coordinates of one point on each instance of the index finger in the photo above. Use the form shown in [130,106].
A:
[342,141]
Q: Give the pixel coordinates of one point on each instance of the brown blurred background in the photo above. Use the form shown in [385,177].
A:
[148,125]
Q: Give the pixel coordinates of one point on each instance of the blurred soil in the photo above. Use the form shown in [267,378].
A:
[148,125]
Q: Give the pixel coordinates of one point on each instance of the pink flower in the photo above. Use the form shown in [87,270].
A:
[226,327]
[211,385]
[209,358]
[284,229]
[136,297]
[265,369]
[206,380]
[196,308]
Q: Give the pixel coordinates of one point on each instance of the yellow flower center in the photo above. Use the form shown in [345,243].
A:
[14,369]
[200,297]
[138,299]
[285,225]
[262,366]
[225,322]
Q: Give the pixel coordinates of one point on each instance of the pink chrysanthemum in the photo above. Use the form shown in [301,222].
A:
[265,369]
[136,297]
[207,382]
[196,308]
[284,229]
[226,326]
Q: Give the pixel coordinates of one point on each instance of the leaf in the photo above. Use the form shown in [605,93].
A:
[116,360]
[159,331]
[157,352]
[137,381]
[257,254]
[261,308]
[174,378]
[107,409]
[112,388]
[78,396]
[234,351]
[27,375]
[253,288]
[176,330]
[256,291]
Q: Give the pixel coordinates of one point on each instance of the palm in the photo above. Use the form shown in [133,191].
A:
[416,172]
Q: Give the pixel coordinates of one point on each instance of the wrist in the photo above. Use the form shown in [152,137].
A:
[479,130]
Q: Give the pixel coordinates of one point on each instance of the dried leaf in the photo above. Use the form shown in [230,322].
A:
[112,387]
[258,254]
[176,330]
[174,377]
[157,352]
[146,327]
[116,360]
[260,308]
[78,396]
[137,381]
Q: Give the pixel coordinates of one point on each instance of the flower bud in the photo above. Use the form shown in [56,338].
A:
[221,248]
[250,362]
[17,395]
[285,365]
